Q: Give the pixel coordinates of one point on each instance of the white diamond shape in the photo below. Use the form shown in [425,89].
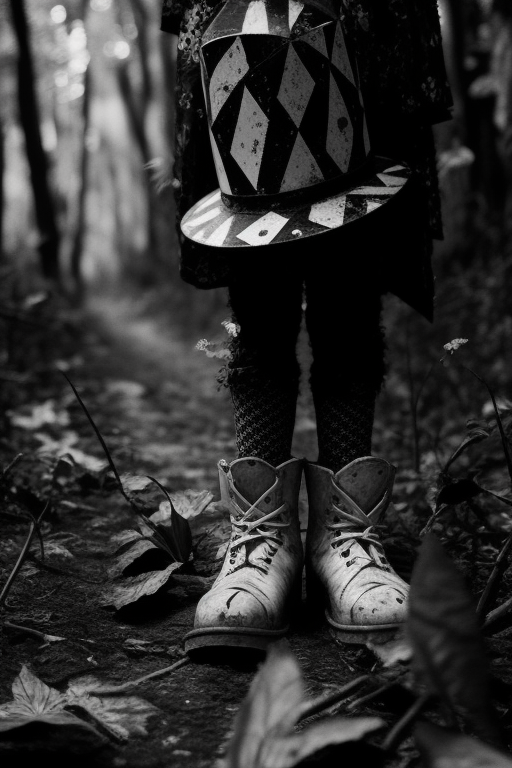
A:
[296,87]
[340,57]
[302,169]
[294,11]
[249,139]
[228,72]
[339,135]
[329,213]
[255,21]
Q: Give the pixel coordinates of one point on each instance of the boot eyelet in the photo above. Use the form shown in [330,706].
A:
[345,553]
[267,499]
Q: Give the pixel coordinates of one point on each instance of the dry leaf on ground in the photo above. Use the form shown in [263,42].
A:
[130,590]
[35,702]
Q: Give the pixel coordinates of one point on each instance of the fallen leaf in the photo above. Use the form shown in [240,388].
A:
[39,415]
[35,702]
[120,716]
[441,748]
[130,590]
[65,447]
[445,636]
[264,735]
[139,547]
[135,482]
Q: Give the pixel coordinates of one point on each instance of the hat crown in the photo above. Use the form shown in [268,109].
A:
[283,99]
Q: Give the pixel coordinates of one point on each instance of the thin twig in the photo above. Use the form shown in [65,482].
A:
[22,557]
[11,465]
[482,603]
[498,613]
[370,696]
[324,702]
[396,732]
[114,689]
[33,632]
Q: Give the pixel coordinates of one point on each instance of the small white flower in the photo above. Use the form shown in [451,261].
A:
[454,344]
[233,329]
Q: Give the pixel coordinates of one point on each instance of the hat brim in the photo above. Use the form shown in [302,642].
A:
[212,222]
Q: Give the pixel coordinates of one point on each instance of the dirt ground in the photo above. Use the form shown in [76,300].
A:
[156,403]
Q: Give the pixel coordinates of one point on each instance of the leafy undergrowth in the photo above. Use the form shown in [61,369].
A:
[105,554]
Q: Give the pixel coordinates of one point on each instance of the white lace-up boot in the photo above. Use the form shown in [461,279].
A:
[248,603]
[345,563]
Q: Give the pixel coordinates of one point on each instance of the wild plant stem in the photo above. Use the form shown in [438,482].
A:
[11,465]
[34,632]
[504,441]
[484,598]
[324,702]
[22,557]
[114,689]
[101,441]
[412,404]
[372,695]
[395,733]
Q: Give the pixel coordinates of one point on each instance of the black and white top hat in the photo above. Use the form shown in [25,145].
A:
[287,127]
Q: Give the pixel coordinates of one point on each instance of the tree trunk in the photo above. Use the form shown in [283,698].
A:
[80,226]
[37,160]
[2,196]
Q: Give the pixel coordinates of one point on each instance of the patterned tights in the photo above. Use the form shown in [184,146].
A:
[343,323]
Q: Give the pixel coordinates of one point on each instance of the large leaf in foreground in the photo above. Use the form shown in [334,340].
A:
[441,748]
[264,728]
[447,644]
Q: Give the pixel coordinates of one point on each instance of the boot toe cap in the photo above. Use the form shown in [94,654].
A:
[233,608]
[379,605]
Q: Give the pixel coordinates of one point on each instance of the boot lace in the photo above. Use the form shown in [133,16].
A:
[357,526]
[248,529]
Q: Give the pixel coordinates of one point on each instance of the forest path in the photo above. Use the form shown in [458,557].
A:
[155,400]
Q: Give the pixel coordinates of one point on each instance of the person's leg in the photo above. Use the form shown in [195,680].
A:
[249,603]
[263,374]
[348,367]
[348,489]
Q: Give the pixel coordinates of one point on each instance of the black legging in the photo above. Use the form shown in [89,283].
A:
[343,307]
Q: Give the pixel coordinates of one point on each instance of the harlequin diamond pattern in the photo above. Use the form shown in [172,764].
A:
[296,87]
[229,71]
[286,117]
[249,139]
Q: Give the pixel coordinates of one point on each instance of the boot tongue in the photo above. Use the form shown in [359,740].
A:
[366,480]
[252,478]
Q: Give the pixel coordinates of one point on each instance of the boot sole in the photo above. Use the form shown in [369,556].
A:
[351,634]
[234,637]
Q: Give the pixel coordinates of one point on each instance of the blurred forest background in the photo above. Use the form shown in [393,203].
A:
[86,207]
